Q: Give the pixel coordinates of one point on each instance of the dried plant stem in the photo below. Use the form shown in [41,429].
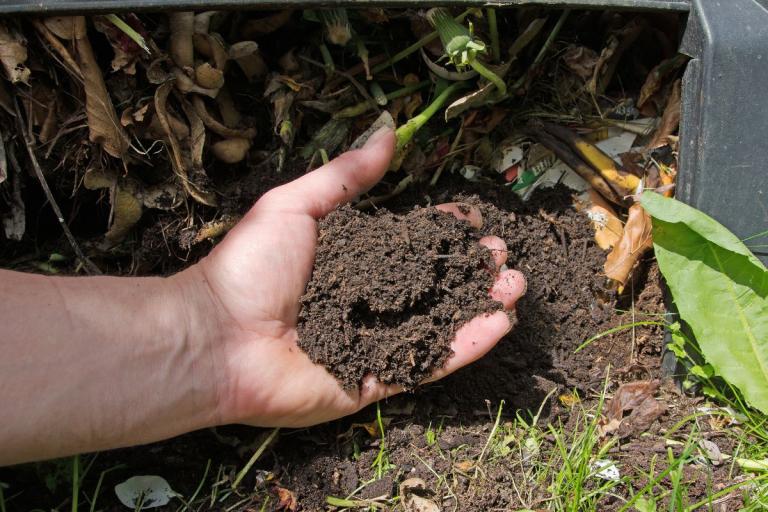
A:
[88,265]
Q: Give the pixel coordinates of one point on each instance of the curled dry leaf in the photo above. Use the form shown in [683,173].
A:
[654,79]
[13,54]
[184,162]
[670,120]
[103,122]
[637,399]
[635,241]
[413,492]
[581,60]
[124,197]
[286,499]
[612,53]
[209,77]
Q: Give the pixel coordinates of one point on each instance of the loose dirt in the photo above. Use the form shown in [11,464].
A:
[388,293]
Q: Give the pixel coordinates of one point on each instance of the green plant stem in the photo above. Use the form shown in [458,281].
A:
[364,106]
[415,46]
[405,133]
[490,438]
[254,458]
[330,67]
[490,76]
[540,56]
[494,29]
[129,31]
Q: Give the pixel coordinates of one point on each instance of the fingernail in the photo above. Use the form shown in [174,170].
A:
[377,136]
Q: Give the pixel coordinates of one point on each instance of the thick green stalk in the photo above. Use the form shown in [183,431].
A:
[405,133]
[490,76]
[415,46]
[494,29]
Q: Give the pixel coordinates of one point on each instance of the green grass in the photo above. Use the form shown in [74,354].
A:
[381,464]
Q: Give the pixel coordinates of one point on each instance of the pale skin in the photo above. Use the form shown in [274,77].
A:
[104,362]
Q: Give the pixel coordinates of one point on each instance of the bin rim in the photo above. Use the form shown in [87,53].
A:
[114,6]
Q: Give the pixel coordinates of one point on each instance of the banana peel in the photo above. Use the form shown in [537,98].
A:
[621,181]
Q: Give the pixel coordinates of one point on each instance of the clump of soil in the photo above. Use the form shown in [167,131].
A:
[388,293]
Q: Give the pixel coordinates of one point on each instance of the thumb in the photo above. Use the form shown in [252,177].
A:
[342,179]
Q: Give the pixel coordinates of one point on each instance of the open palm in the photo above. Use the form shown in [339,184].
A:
[257,275]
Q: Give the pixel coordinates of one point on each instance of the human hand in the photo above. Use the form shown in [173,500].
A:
[253,281]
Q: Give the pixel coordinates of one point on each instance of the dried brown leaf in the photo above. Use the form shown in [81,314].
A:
[637,399]
[612,53]
[634,242]
[13,54]
[654,79]
[670,120]
[124,196]
[413,492]
[286,499]
[183,161]
[103,122]
[581,60]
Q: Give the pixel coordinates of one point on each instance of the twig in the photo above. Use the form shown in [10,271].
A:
[373,201]
[254,458]
[90,268]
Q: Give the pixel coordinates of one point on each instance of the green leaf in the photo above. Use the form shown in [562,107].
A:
[720,289]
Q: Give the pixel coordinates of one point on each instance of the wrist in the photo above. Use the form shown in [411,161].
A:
[201,332]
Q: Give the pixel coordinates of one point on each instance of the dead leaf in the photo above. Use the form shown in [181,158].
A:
[126,51]
[654,79]
[670,120]
[581,60]
[637,399]
[413,492]
[13,54]
[476,99]
[464,466]
[606,223]
[634,242]
[182,162]
[286,499]
[103,122]
[124,197]
[612,53]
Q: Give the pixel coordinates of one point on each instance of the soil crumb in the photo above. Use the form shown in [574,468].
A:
[389,291]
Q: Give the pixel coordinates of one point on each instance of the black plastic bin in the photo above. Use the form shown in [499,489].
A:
[724,126]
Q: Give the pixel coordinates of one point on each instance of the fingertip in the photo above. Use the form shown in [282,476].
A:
[509,286]
[463,211]
[473,340]
[371,390]
[498,249]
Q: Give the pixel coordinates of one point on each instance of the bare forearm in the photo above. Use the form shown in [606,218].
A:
[95,363]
